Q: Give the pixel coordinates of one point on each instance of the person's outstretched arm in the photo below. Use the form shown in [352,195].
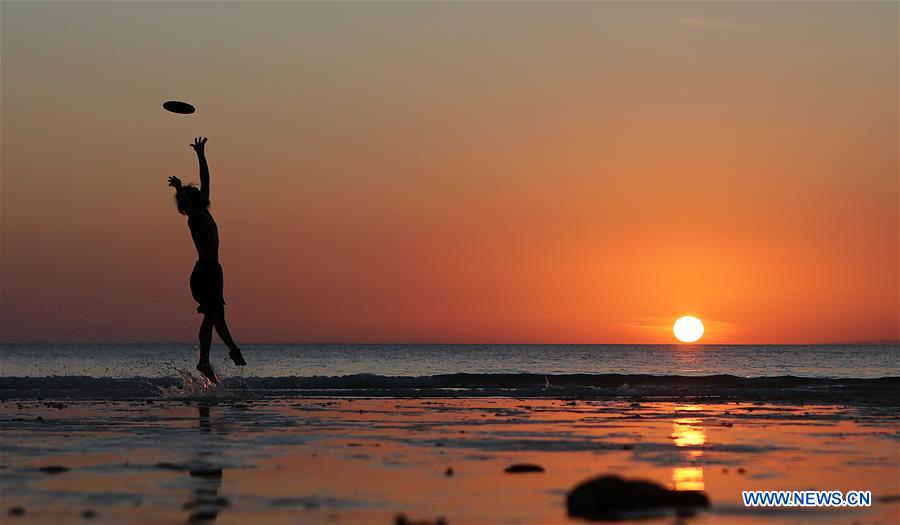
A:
[199,146]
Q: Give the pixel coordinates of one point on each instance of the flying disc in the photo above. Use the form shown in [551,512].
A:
[176,106]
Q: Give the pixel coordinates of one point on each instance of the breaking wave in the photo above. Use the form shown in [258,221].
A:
[880,391]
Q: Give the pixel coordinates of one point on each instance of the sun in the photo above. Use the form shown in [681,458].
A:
[688,329]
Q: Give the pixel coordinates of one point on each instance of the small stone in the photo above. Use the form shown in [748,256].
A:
[53,469]
[169,466]
[521,468]
[401,519]
[206,473]
[16,511]
[203,515]
[89,514]
[449,472]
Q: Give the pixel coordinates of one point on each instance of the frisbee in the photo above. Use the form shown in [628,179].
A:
[176,106]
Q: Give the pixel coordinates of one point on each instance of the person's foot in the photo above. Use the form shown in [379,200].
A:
[237,357]
[206,369]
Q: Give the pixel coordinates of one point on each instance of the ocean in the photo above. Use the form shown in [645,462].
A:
[116,370]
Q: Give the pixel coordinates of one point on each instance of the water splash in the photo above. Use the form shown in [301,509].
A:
[191,387]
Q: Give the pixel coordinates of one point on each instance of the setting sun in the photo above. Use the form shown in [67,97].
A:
[688,329]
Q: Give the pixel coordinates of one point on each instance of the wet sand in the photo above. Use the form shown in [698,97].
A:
[364,460]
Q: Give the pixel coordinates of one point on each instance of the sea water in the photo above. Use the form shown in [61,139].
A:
[306,360]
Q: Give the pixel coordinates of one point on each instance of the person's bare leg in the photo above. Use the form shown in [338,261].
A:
[225,335]
[205,335]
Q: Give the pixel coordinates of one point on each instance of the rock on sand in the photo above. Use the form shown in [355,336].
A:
[611,497]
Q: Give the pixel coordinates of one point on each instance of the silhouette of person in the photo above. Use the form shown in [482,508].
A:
[206,279]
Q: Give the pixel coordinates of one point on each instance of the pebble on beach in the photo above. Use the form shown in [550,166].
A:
[206,472]
[53,469]
[402,519]
[521,468]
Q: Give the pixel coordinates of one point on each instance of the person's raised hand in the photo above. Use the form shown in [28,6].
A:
[199,145]
[175,182]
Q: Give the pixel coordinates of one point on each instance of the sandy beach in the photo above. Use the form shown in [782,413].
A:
[366,460]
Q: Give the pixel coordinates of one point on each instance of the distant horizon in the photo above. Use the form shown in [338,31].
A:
[254,343]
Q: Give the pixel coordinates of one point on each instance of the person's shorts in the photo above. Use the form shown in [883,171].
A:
[206,286]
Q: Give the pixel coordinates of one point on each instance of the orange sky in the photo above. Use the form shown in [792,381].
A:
[418,172]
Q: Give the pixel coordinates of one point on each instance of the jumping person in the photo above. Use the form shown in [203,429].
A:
[206,279]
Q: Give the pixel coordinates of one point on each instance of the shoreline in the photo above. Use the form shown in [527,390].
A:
[366,460]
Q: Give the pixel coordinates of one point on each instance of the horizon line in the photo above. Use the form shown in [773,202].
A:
[882,342]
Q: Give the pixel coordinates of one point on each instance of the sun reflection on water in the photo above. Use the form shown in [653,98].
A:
[689,432]
[688,478]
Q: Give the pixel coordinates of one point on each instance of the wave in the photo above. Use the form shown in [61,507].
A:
[880,391]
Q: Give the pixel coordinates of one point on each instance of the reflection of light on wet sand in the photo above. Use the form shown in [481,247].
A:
[688,478]
[689,432]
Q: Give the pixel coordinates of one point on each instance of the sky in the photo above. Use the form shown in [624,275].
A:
[454,172]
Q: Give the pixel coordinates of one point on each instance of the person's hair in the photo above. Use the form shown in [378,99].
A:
[191,192]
